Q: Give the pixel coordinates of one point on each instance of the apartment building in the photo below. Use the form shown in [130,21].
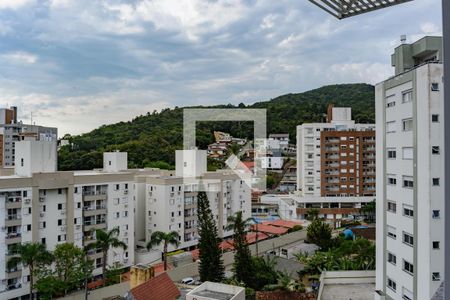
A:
[410,174]
[12,131]
[40,204]
[171,199]
[336,158]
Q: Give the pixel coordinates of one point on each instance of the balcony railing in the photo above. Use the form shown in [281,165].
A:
[13,235]
[14,217]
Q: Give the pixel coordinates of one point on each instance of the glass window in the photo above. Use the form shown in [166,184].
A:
[435,118]
[436,244]
[435,87]
[391,206]
[391,180]
[407,96]
[391,284]
[436,276]
[408,267]
[392,258]
[408,211]
[435,181]
[391,153]
[435,150]
[390,127]
[436,214]
[407,124]
[408,239]
[408,182]
[391,232]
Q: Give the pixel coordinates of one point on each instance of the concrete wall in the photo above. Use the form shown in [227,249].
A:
[114,290]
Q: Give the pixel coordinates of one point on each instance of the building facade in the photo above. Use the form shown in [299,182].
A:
[12,131]
[410,174]
[40,204]
[336,158]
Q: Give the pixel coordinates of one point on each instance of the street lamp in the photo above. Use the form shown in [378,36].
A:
[347,8]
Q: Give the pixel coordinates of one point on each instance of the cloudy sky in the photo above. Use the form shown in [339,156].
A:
[77,64]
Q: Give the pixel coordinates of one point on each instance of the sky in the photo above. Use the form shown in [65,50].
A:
[79,64]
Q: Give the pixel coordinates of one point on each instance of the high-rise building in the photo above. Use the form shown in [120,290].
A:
[410,174]
[12,131]
[336,158]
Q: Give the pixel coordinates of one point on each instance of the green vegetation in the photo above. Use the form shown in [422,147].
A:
[319,233]
[211,266]
[32,256]
[369,211]
[343,255]
[104,241]
[155,136]
[70,268]
[170,238]
[243,263]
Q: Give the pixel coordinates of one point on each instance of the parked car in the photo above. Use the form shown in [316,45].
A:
[188,280]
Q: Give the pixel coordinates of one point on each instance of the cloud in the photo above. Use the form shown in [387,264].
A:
[80,64]
[20,57]
[14,4]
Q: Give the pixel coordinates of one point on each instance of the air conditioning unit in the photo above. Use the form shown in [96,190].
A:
[27,201]
[63,228]
[63,212]
[125,192]
[42,214]
[78,227]
[41,199]
[126,205]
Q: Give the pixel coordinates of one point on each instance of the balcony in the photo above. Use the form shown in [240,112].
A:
[13,202]
[13,238]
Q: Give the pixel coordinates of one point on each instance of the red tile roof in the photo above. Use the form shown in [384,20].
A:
[160,287]
[283,223]
[270,229]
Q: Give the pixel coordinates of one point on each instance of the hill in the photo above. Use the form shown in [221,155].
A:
[151,139]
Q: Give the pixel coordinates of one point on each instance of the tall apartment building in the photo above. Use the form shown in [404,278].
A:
[40,204]
[336,158]
[12,131]
[410,174]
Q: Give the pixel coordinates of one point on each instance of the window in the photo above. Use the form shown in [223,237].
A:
[435,118]
[126,186]
[117,215]
[435,87]
[390,127]
[436,276]
[436,214]
[125,213]
[116,187]
[60,206]
[391,180]
[408,182]
[408,267]
[436,244]
[391,232]
[392,258]
[24,193]
[43,241]
[408,239]
[407,153]
[392,284]
[407,294]
[59,191]
[391,153]
[407,124]
[407,96]
[435,150]
[391,206]
[435,181]
[390,103]
[60,222]
[408,211]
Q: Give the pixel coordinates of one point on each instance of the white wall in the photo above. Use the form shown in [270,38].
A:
[115,161]
[35,157]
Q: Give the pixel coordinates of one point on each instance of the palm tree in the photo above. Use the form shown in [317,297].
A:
[103,241]
[30,255]
[170,238]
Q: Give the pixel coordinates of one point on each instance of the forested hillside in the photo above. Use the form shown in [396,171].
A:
[151,139]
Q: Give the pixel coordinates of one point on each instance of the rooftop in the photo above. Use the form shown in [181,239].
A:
[217,291]
[345,285]
[160,287]
[213,295]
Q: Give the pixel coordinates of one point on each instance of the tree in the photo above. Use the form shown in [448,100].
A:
[170,238]
[319,233]
[104,241]
[243,265]
[71,266]
[312,214]
[30,255]
[211,266]
[369,210]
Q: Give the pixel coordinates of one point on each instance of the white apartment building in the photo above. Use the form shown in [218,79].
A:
[43,205]
[349,145]
[171,199]
[410,174]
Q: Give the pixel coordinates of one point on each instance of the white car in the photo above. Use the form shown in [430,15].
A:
[188,280]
